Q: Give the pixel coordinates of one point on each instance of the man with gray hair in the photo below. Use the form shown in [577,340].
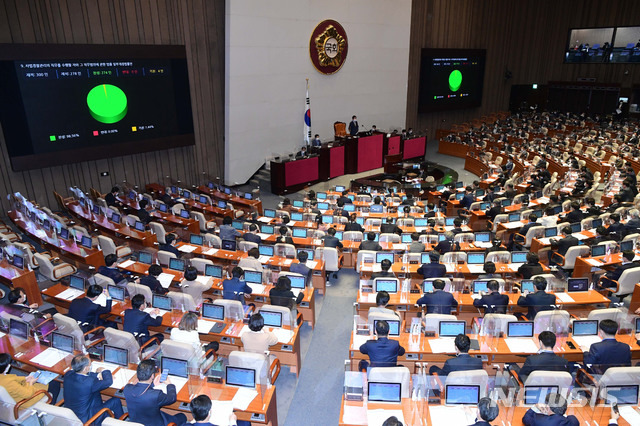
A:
[82,391]
[633,224]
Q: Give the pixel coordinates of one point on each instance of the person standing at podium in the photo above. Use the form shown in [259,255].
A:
[353,126]
[316,142]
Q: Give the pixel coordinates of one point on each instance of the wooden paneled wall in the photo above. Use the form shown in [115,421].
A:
[527,37]
[197,24]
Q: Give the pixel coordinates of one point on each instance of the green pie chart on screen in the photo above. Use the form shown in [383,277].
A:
[455,80]
[107,103]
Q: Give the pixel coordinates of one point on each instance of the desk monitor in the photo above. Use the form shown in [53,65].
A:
[380,256]
[203,199]
[300,232]
[420,222]
[626,245]
[585,328]
[550,232]
[384,392]
[271,318]
[267,229]
[450,328]
[17,261]
[211,311]
[266,250]
[184,214]
[96,209]
[339,188]
[394,327]
[485,206]
[116,293]
[86,242]
[323,206]
[448,221]
[308,251]
[176,264]
[222,204]
[538,213]
[211,185]
[186,194]
[537,194]
[339,235]
[351,197]
[327,218]
[440,188]
[506,202]
[577,284]
[19,328]
[406,238]
[213,271]
[196,239]
[237,224]
[376,208]
[638,325]
[176,367]
[145,257]
[229,245]
[390,285]
[115,218]
[480,285]
[595,223]
[360,220]
[537,394]
[254,277]
[174,190]
[115,355]
[298,203]
[163,208]
[425,258]
[64,233]
[297,282]
[349,208]
[527,285]
[427,286]
[458,185]
[557,210]
[598,250]
[138,226]
[480,192]
[441,237]
[514,217]
[520,329]
[297,216]
[321,195]
[161,302]
[483,237]
[576,227]
[62,342]
[227,191]
[475,258]
[243,377]
[462,394]
[622,395]
[459,196]
[519,257]
[76,282]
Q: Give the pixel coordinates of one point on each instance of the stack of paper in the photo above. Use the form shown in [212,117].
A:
[243,398]
[264,219]
[443,345]
[204,326]
[126,264]
[354,414]
[580,236]
[49,357]
[629,414]
[101,300]
[263,236]
[211,251]
[287,262]
[397,246]
[311,264]
[451,267]
[359,340]
[284,336]
[161,312]
[203,279]
[177,381]
[106,365]
[593,262]
[475,269]
[69,294]
[221,412]
[257,288]
[482,244]
[521,345]
[264,259]
[586,341]
[187,248]
[165,279]
[453,415]
[515,266]
[564,297]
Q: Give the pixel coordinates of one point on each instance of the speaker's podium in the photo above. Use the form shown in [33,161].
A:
[364,152]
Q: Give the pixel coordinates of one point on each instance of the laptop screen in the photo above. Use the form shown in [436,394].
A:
[419,222]
[506,203]
[184,214]
[480,192]
[518,257]
[638,325]
[514,217]
[298,203]
[520,329]
[475,258]
[626,245]
[296,282]
[480,285]
[485,206]
[62,342]
[339,188]
[462,394]
[599,250]
[578,284]
[441,237]
[326,218]
[450,328]
[19,328]
[163,208]
[527,285]
[186,194]
[144,257]
[483,237]
[585,328]
[390,286]
[115,217]
[550,232]
[176,367]
[300,232]
[64,233]
[596,222]
[254,277]
[349,208]
[382,256]
[384,392]
[161,302]
[557,209]
[537,394]
[176,264]
[116,292]
[427,286]
[309,253]
[538,213]
[296,216]
[265,250]
[76,282]
[203,199]
[196,239]
[213,271]
[576,227]
[86,242]
[229,245]
[18,261]
[459,196]
[440,188]
[222,204]
[323,206]
[406,238]
[623,395]
[237,224]
[448,221]
[211,311]
[139,226]
[360,220]
[266,229]
[339,235]
[321,195]
[394,327]
[376,208]
[271,318]
[236,376]
[114,355]
[269,213]
[96,209]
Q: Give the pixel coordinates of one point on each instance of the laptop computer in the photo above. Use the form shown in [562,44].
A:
[76,282]
[482,237]
[577,284]
[298,203]
[389,285]
[267,229]
[254,277]
[626,245]
[622,395]
[450,328]
[237,224]
[269,213]
[184,214]
[229,245]
[86,242]
[519,257]
[475,258]
[296,216]
[300,232]
[514,217]
[64,233]
[576,227]
[527,285]
[420,222]
[462,394]
[376,208]
[327,218]
[506,203]
[115,355]
[214,312]
[479,285]
[598,250]
[17,261]
[271,318]
[384,392]
[406,238]
[176,367]
[62,342]
[321,195]
[19,328]
[161,302]
[241,377]
[585,328]
[115,218]
[298,284]
[427,286]
[537,394]
[213,271]
[196,239]
[394,327]
[176,264]
[550,232]
[222,204]
[116,293]
[520,329]
[144,257]
[382,256]
[323,206]
[638,325]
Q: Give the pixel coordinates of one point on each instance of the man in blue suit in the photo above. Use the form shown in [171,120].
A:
[151,279]
[551,413]
[462,362]
[382,352]
[353,126]
[87,312]
[301,267]
[234,288]
[468,198]
[545,359]
[435,269]
[330,239]
[493,302]
[438,302]
[144,401]
[137,322]
[109,270]
[252,236]
[488,410]
[538,301]
[609,352]
[169,245]
[82,390]
[627,263]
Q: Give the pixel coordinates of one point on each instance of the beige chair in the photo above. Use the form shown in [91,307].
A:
[203,223]
[496,324]
[366,257]
[454,257]
[52,415]
[432,321]
[135,288]
[69,326]
[288,316]
[186,352]
[200,264]
[54,273]
[379,316]
[399,374]
[330,257]
[265,373]
[618,376]
[568,261]
[159,231]
[615,314]
[246,245]
[165,256]
[108,247]
[389,238]
[499,257]
[233,309]
[470,377]
[626,283]
[103,281]
[109,421]
[182,301]
[405,222]
[10,408]
[25,249]
[352,236]
[557,321]
[176,208]
[131,220]
[562,379]
[285,250]
[126,340]
[533,232]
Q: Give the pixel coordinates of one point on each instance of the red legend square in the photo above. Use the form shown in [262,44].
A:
[95,133]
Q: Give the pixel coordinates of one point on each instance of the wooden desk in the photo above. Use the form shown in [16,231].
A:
[251,205]
[25,278]
[582,267]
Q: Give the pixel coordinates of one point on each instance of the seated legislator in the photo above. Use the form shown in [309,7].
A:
[110,198]
[487,412]
[109,271]
[190,285]
[435,269]
[142,212]
[23,387]
[86,312]
[609,352]
[389,227]
[234,288]
[301,267]
[151,279]
[187,332]
[281,294]
[462,362]
[18,300]
[370,243]
[385,266]
[517,241]
[352,225]
[627,263]
[382,300]
[446,245]
[137,322]
[200,408]
[252,236]
[489,271]
[284,237]
[532,267]
[575,215]
[170,245]
[551,413]
[252,260]
[383,352]
[494,211]
[416,246]
[545,359]
[562,245]
[330,239]
[492,302]
[439,301]
[538,301]
[257,339]
[227,231]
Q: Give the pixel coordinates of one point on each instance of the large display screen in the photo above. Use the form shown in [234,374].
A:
[451,79]
[69,103]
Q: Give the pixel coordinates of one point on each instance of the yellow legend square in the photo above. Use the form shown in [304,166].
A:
[134,129]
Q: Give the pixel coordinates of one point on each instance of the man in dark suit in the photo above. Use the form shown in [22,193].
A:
[575,215]
[438,302]
[18,302]
[510,192]
[627,263]
[87,312]
[252,236]
[382,352]
[389,227]
[352,225]
[494,211]
[462,362]
[151,279]
[234,288]
[137,322]
[385,265]
[144,401]
[142,212]
[446,245]
[616,229]
[532,267]
[353,126]
[84,387]
[301,267]
[344,198]
[493,302]
[200,408]
[330,240]
[109,271]
[633,224]
[435,269]
[562,245]
[370,243]
[488,410]
[551,413]
[545,359]
[468,198]
[609,352]
[110,198]
[538,301]
[169,245]
[523,231]
[457,226]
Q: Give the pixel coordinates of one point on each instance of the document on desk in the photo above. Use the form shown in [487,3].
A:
[50,357]
[451,267]
[586,341]
[203,279]
[512,225]
[165,279]
[101,300]
[399,246]
[257,288]
[263,236]
[287,262]
[221,411]
[593,262]
[475,269]
[106,365]
[311,264]
[564,297]
[243,398]
[205,326]
[264,259]
[126,264]
[376,267]
[580,236]
[187,248]
[179,383]
[354,414]
[211,251]
[70,294]
[515,266]
[482,244]
[284,336]
[444,345]
[264,219]
[378,417]
[453,415]
[359,340]
[122,377]
[629,414]
[521,345]
[160,313]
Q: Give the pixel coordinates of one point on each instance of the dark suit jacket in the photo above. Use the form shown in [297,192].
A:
[253,238]
[444,246]
[616,273]
[438,302]
[432,270]
[616,230]
[574,216]
[382,352]
[544,361]
[232,287]
[353,226]
[463,362]
[153,283]
[536,302]
[170,249]
[330,241]
[299,268]
[344,199]
[565,243]
[353,128]
[530,269]
[110,199]
[284,298]
[112,273]
[608,353]
[389,228]
[467,200]
[531,418]
[84,310]
[138,322]
[382,274]
[85,399]
[370,245]
[495,302]
[493,212]
[144,403]
[144,216]
[632,225]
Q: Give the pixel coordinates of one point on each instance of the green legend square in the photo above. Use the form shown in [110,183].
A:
[52,138]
